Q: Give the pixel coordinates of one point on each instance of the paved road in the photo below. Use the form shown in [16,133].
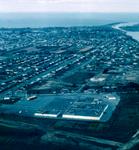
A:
[132,142]
[80,137]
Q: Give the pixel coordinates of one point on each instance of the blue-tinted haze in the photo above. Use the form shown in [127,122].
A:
[64,19]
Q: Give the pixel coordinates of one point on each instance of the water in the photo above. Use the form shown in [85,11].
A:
[18,20]
[134,35]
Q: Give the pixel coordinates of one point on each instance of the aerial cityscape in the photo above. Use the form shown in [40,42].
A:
[69,87]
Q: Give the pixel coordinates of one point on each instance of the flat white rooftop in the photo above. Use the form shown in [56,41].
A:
[73,106]
[79,117]
[45,115]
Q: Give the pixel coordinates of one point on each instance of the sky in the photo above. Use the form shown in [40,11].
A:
[69,5]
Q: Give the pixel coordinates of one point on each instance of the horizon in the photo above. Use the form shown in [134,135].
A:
[68,19]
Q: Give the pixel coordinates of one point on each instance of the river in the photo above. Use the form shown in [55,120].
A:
[134,35]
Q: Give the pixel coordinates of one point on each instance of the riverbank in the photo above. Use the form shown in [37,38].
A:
[134,35]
